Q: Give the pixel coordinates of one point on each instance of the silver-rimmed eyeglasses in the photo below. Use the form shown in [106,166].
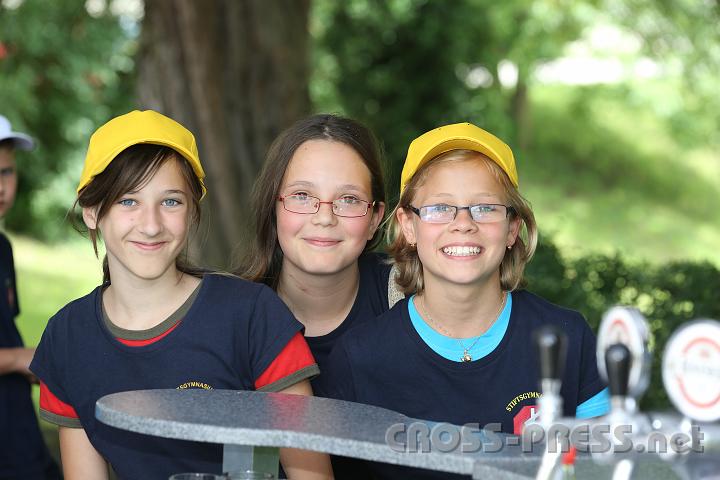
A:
[347,206]
[481,213]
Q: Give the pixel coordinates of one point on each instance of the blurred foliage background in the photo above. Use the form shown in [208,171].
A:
[610,106]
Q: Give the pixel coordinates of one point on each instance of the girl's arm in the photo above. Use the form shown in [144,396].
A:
[16,360]
[80,460]
[303,464]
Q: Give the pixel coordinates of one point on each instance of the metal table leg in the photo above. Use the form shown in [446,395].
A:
[239,458]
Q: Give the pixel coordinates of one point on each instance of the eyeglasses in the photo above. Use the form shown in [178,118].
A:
[481,213]
[342,207]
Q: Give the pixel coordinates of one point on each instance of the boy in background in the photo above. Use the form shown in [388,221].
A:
[23,454]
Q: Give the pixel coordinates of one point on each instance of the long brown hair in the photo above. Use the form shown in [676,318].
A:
[130,170]
[263,260]
[410,273]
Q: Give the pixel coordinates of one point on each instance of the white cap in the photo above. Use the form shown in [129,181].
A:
[22,141]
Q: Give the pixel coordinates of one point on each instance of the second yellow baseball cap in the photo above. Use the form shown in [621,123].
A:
[458,136]
[134,128]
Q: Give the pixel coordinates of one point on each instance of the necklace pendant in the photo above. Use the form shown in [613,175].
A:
[466,357]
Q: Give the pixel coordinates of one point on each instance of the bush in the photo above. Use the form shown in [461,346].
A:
[667,295]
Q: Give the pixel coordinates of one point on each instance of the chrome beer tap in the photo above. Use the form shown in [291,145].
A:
[552,350]
[623,417]
[551,343]
[624,362]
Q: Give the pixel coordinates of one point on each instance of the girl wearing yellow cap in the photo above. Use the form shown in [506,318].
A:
[460,349]
[157,322]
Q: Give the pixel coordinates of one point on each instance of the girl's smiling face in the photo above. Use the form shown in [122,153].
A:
[324,243]
[145,230]
[461,252]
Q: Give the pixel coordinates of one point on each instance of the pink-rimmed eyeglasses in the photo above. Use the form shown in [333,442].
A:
[347,206]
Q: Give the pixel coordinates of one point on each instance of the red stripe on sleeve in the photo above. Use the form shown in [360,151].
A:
[295,356]
[50,403]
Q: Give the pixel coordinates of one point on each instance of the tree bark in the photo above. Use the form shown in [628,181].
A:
[234,72]
[520,111]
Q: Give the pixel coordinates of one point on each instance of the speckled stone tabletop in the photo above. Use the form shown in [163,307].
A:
[319,424]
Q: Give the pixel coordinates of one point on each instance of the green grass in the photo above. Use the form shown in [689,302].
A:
[604,174]
[48,277]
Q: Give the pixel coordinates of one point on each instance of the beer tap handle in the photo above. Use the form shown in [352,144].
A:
[618,361]
[551,343]
[552,346]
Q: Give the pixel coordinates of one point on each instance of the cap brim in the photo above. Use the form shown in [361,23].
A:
[22,141]
[181,150]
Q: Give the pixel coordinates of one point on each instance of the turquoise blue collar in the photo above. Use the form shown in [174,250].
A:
[449,347]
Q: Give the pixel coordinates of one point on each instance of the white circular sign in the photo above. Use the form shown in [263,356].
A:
[627,326]
[691,370]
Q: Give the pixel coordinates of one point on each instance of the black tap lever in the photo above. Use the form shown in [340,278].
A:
[551,343]
[618,361]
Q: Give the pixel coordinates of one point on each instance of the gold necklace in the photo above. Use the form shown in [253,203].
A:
[466,350]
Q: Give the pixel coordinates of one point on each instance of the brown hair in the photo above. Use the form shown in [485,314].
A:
[263,260]
[130,170]
[410,273]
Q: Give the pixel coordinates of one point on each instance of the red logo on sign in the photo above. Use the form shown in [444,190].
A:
[698,354]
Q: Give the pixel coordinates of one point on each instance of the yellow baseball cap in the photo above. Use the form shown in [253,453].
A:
[134,128]
[458,136]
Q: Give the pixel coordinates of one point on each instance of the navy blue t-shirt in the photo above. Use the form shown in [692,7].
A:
[371,301]
[232,332]
[23,454]
[387,364]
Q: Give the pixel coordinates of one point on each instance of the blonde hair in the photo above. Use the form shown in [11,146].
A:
[410,271]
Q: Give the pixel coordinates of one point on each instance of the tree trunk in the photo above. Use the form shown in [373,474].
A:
[520,111]
[234,72]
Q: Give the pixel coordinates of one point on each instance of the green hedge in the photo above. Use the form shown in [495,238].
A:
[668,295]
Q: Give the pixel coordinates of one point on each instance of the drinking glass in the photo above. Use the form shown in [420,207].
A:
[198,476]
[250,475]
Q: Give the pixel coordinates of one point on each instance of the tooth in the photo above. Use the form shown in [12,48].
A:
[463,251]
